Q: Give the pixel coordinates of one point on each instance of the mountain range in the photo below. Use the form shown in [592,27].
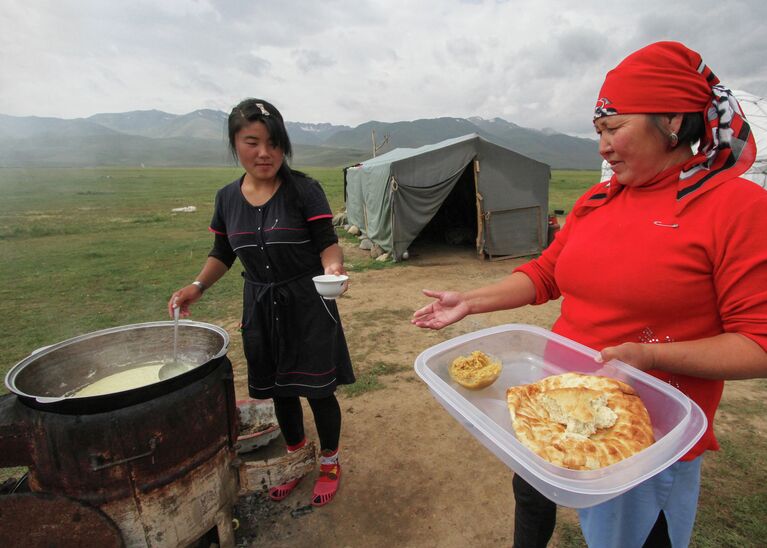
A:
[156,138]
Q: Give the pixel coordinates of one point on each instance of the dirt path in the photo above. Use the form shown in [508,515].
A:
[412,476]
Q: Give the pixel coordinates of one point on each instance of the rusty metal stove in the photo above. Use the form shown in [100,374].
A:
[159,462]
[154,466]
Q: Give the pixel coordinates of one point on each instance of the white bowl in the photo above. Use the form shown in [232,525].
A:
[330,286]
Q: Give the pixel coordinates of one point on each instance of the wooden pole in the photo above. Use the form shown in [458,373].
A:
[480,215]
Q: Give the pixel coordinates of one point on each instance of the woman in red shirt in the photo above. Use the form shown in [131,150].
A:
[664,267]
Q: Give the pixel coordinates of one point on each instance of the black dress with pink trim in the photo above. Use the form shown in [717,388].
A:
[293,339]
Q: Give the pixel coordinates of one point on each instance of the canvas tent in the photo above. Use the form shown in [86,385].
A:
[497,196]
[755,109]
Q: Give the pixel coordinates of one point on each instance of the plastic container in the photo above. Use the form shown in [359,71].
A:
[528,354]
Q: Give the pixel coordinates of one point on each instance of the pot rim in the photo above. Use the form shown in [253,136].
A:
[14,371]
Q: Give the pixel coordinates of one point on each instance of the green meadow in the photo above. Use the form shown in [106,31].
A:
[86,249]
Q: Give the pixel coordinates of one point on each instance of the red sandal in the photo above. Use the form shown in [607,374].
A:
[280,492]
[327,484]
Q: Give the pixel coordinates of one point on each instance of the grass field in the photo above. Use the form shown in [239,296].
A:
[567,186]
[86,249]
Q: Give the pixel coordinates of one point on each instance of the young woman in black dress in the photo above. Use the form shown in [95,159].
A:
[278,223]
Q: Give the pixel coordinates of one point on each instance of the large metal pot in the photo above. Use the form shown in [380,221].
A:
[48,378]
[158,459]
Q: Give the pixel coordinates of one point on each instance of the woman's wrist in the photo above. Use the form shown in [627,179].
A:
[200,285]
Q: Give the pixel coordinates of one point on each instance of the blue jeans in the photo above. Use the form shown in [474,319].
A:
[626,520]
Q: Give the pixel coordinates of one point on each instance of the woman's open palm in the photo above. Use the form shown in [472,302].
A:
[448,307]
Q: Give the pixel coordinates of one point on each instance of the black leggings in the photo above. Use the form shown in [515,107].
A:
[535,517]
[658,537]
[327,419]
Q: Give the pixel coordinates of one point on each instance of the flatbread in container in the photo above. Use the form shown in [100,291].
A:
[581,422]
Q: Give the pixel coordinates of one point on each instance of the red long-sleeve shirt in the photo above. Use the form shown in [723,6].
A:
[643,266]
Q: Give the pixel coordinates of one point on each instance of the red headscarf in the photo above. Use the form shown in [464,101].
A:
[668,77]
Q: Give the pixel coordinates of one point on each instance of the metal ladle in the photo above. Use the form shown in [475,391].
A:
[173,368]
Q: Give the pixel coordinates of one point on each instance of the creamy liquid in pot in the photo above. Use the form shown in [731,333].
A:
[142,375]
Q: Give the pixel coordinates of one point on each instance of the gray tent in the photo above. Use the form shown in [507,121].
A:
[464,189]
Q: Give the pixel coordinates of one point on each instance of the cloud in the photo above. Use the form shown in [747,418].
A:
[308,60]
[537,63]
[252,64]
[463,50]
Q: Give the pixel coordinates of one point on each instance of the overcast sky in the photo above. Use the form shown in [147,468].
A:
[536,63]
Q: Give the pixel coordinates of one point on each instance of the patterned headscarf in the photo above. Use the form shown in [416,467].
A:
[668,77]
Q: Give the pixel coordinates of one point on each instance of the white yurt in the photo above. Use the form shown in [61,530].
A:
[755,109]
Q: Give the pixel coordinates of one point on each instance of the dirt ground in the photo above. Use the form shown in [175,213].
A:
[412,476]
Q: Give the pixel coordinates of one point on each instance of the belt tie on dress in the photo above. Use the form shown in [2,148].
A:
[276,293]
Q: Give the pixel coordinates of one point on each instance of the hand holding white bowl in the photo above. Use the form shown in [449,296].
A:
[331,286]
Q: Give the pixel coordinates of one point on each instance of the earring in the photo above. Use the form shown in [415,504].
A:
[673,139]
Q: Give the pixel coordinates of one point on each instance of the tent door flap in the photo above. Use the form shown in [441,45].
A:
[512,232]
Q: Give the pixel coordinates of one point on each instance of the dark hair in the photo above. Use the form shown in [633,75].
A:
[691,130]
[258,110]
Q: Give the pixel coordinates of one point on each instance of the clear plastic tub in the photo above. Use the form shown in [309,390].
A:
[528,354]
